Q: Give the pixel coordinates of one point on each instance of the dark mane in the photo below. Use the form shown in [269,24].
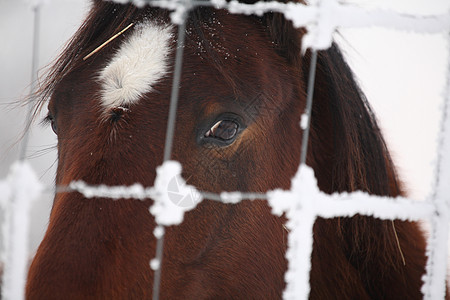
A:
[359,160]
[362,159]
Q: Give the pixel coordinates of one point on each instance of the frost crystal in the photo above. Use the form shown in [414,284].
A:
[304,121]
[297,204]
[22,187]
[231,197]
[165,210]
[155,264]
[158,232]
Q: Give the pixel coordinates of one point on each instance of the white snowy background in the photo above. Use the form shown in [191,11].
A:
[402,74]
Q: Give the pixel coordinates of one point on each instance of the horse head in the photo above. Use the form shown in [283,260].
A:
[241,95]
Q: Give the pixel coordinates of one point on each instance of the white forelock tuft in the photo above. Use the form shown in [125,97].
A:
[138,65]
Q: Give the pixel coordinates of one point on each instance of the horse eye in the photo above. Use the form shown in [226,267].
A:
[50,119]
[223,130]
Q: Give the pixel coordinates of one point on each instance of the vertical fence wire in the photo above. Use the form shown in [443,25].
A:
[437,247]
[175,90]
[169,139]
[306,217]
[34,68]
[306,117]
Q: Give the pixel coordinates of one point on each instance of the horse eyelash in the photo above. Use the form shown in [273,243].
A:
[46,121]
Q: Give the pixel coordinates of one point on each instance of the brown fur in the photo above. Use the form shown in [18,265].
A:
[100,248]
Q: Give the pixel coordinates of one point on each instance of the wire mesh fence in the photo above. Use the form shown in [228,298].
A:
[302,204]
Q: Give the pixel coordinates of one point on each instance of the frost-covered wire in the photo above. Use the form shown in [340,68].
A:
[18,191]
[36,5]
[321,19]
[437,249]
[301,205]
[169,168]
[306,117]
[304,202]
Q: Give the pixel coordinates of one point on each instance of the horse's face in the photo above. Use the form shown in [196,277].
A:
[237,97]
[237,128]
[239,107]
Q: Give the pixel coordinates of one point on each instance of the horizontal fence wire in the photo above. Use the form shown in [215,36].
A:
[321,21]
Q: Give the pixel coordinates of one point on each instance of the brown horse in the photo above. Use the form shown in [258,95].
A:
[242,93]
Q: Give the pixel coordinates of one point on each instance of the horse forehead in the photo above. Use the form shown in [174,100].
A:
[141,61]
